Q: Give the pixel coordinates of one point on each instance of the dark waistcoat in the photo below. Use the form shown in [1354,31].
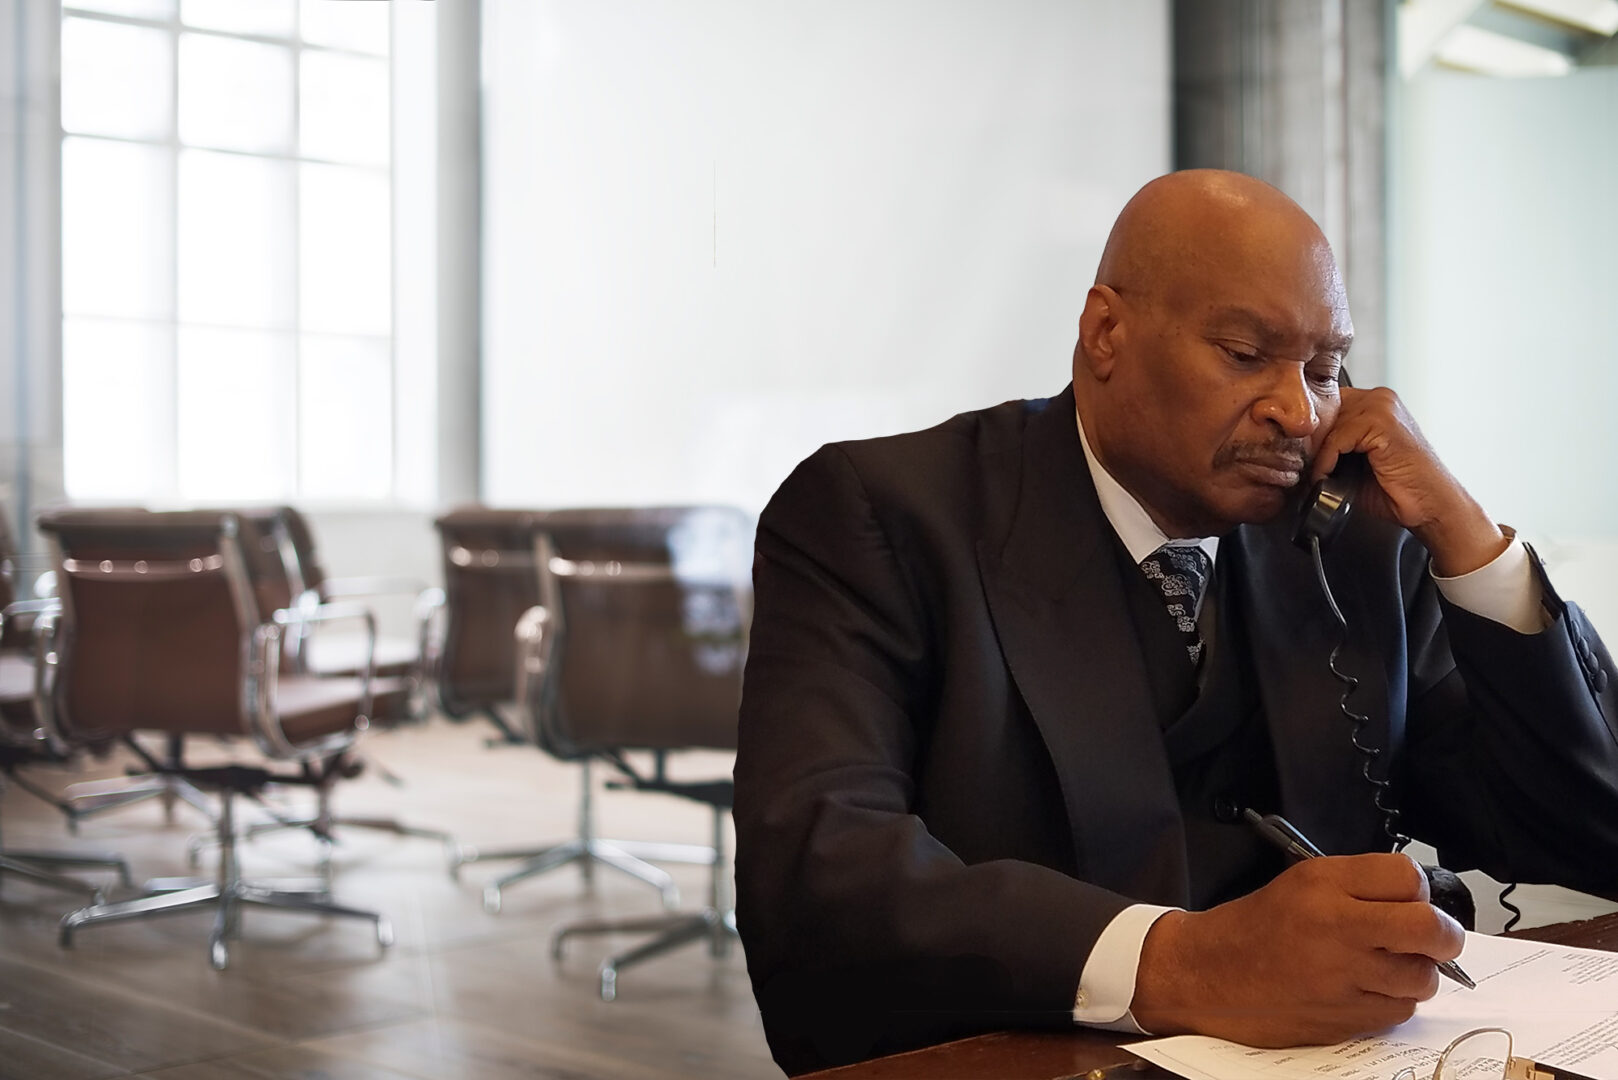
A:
[1216,736]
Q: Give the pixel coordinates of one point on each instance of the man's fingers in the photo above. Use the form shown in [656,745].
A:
[1385,908]
[1415,928]
[1389,877]
[1344,435]
[1399,975]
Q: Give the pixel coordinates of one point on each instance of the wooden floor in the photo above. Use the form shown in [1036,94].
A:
[462,994]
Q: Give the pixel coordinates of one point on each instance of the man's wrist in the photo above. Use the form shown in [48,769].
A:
[1163,980]
[1462,541]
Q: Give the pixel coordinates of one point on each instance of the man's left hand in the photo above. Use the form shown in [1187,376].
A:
[1412,485]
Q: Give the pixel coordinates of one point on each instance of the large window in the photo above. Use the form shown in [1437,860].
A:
[227,250]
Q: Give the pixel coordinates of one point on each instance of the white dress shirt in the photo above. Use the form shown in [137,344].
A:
[1504,590]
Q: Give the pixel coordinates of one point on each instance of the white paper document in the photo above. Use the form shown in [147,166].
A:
[1559,1003]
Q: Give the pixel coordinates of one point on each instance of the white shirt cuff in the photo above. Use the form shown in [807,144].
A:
[1505,590]
[1107,984]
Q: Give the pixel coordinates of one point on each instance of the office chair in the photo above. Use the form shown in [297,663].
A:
[160,632]
[490,567]
[91,797]
[276,569]
[638,646]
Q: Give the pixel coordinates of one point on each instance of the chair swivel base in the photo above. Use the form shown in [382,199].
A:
[387,825]
[92,797]
[41,866]
[624,856]
[228,901]
[195,846]
[672,931]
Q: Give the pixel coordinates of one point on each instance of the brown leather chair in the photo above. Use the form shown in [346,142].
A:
[491,578]
[23,738]
[638,645]
[275,567]
[89,798]
[160,632]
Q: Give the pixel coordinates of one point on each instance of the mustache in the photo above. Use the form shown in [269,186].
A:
[1292,451]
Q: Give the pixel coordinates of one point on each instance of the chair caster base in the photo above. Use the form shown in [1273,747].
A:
[671,932]
[227,903]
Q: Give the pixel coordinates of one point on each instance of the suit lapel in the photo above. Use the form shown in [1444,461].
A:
[1062,619]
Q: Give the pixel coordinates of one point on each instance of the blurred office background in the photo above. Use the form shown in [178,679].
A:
[379,259]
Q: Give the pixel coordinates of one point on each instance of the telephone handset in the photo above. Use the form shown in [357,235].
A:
[1325,511]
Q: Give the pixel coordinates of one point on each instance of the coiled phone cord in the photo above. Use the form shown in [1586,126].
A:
[1516,912]
[1379,788]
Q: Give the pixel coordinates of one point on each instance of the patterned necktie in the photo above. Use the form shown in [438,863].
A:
[1180,574]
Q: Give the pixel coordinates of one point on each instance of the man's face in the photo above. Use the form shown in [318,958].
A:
[1226,381]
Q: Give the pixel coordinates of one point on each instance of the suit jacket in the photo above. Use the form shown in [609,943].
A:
[950,775]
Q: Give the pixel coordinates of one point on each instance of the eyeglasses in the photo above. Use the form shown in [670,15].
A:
[1485,1054]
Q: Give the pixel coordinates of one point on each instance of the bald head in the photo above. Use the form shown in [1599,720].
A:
[1209,349]
[1180,228]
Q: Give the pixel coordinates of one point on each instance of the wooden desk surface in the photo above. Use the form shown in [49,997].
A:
[1051,1055]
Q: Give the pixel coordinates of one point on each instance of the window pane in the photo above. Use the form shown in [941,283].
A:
[235,240]
[345,395]
[236,95]
[236,429]
[346,24]
[141,9]
[117,80]
[271,18]
[345,108]
[117,409]
[117,229]
[344,285]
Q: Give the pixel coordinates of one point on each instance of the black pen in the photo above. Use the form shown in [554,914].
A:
[1285,835]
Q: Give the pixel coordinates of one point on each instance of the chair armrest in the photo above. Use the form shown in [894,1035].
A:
[351,587]
[45,585]
[43,616]
[261,702]
[27,608]
[325,613]
[430,631]
[429,602]
[535,636]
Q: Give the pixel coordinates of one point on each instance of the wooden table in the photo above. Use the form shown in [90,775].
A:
[1047,1055]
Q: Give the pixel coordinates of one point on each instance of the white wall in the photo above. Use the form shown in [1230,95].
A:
[1506,304]
[719,233]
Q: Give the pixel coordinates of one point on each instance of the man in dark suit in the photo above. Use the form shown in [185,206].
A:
[1012,678]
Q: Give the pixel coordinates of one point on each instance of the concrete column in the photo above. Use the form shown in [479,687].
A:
[460,225]
[30,261]
[1296,92]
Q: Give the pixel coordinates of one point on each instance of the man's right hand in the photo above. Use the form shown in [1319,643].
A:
[1331,949]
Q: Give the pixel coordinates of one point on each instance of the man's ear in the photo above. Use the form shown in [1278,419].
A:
[1097,351]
